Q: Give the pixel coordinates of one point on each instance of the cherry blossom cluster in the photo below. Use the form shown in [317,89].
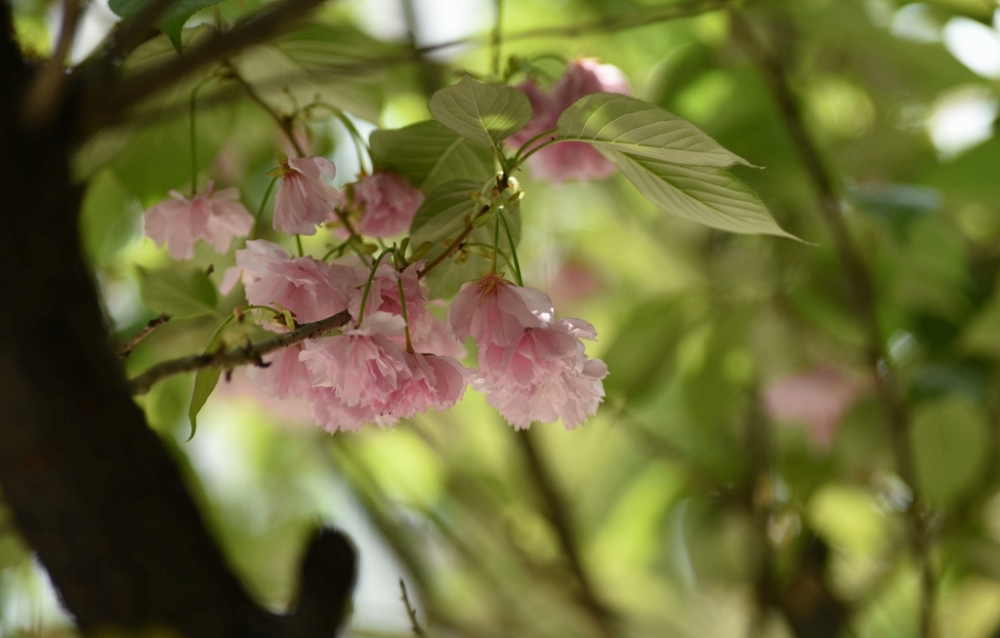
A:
[394,358]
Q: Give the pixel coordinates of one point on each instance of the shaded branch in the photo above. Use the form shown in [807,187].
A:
[411,612]
[859,284]
[231,359]
[555,511]
[104,101]
[48,89]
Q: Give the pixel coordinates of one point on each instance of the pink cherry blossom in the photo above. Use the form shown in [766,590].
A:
[388,203]
[494,311]
[384,296]
[569,160]
[543,376]
[304,200]
[310,288]
[363,375]
[817,398]
[216,217]
[284,376]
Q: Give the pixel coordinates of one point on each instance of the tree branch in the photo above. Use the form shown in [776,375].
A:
[231,359]
[147,330]
[556,512]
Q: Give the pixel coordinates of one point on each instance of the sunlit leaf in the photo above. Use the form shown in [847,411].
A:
[430,154]
[485,113]
[629,125]
[709,196]
[178,291]
[205,381]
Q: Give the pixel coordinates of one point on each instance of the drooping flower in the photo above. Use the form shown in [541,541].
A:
[310,288]
[216,217]
[364,376]
[495,311]
[283,376]
[544,376]
[817,398]
[304,200]
[568,160]
[532,367]
[388,203]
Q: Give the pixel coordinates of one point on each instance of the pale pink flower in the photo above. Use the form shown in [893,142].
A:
[388,203]
[284,376]
[310,288]
[180,221]
[543,376]
[494,311]
[817,398]
[569,160]
[363,376]
[304,200]
[439,340]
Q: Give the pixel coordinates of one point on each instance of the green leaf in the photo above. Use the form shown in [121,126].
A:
[179,292]
[430,154]
[205,381]
[629,125]
[332,63]
[172,23]
[485,113]
[709,196]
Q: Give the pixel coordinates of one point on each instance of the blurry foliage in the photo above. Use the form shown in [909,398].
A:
[688,513]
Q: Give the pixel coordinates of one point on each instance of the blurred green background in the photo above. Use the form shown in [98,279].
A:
[740,478]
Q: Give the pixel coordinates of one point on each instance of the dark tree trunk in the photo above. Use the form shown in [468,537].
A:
[92,488]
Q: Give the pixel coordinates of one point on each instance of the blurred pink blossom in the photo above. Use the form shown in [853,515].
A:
[568,160]
[310,288]
[216,217]
[284,376]
[304,200]
[818,398]
[388,203]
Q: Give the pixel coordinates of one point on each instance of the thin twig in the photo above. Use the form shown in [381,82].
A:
[454,246]
[860,286]
[147,330]
[284,123]
[242,356]
[411,612]
[556,512]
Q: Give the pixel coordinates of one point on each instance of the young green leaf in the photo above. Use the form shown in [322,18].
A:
[621,123]
[205,381]
[485,113]
[179,292]
[172,23]
[709,196]
[430,154]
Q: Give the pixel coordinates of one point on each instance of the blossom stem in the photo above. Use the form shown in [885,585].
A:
[513,250]
[496,239]
[338,249]
[298,243]
[355,238]
[359,141]
[368,286]
[487,246]
[518,159]
[194,135]
[455,245]
[402,306]
[547,143]
[260,211]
